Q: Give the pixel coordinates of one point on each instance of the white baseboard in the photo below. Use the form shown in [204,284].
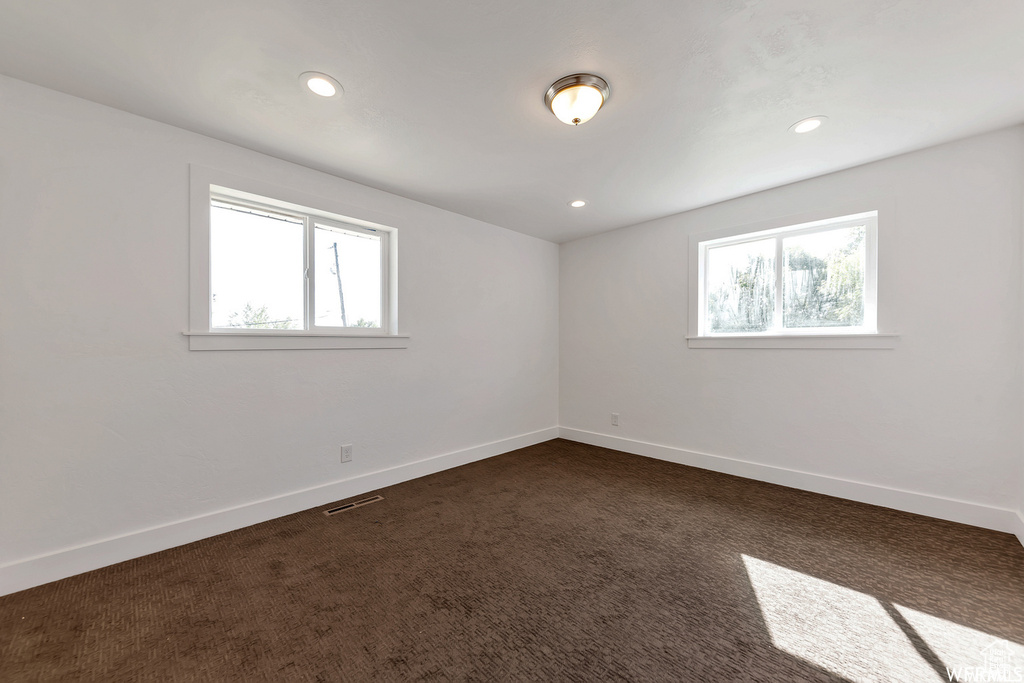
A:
[41,569]
[975,514]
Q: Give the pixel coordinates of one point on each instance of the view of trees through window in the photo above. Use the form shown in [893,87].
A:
[741,287]
[822,282]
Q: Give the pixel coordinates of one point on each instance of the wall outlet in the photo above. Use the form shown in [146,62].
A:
[346,453]
[615,419]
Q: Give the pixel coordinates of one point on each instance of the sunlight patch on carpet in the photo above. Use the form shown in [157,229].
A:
[854,635]
[970,654]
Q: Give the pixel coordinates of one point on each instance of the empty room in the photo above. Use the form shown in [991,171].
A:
[550,341]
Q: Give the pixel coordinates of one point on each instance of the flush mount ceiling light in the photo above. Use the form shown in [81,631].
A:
[576,98]
[321,84]
[577,204]
[808,124]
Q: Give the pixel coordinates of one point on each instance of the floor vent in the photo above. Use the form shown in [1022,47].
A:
[352,506]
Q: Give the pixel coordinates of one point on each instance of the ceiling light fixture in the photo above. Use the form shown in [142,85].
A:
[321,84]
[808,124]
[576,98]
[578,204]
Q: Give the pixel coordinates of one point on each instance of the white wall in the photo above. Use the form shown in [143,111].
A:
[109,425]
[928,426]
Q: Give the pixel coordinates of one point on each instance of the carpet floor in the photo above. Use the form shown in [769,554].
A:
[557,562]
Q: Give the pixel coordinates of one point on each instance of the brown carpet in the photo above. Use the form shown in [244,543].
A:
[558,562]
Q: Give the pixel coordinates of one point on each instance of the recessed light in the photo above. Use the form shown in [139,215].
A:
[578,204]
[321,84]
[808,124]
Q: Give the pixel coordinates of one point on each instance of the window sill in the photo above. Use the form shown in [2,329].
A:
[796,341]
[258,341]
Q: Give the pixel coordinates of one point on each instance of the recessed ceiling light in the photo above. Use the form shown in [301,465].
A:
[577,204]
[321,84]
[808,124]
[576,98]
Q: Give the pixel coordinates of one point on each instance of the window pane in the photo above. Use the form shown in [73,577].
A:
[823,282]
[741,287]
[256,269]
[348,278]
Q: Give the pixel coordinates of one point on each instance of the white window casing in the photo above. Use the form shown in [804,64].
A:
[314,213]
[865,335]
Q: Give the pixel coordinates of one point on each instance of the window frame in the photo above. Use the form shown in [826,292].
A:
[865,336]
[208,185]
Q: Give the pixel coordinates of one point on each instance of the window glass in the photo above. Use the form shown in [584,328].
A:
[741,287]
[348,278]
[256,269]
[823,281]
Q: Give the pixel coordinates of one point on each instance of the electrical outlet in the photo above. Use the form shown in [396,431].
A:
[346,453]
[615,419]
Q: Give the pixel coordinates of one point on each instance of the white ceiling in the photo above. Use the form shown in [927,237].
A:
[444,99]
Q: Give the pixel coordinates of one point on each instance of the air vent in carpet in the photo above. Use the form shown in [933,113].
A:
[352,506]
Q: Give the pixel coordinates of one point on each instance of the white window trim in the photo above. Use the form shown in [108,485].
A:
[866,337]
[205,183]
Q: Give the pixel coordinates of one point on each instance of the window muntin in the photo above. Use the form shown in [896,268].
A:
[289,271]
[812,278]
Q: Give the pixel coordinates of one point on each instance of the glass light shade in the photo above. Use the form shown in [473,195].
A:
[577,104]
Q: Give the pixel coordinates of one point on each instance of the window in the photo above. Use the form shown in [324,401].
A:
[269,272]
[813,279]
